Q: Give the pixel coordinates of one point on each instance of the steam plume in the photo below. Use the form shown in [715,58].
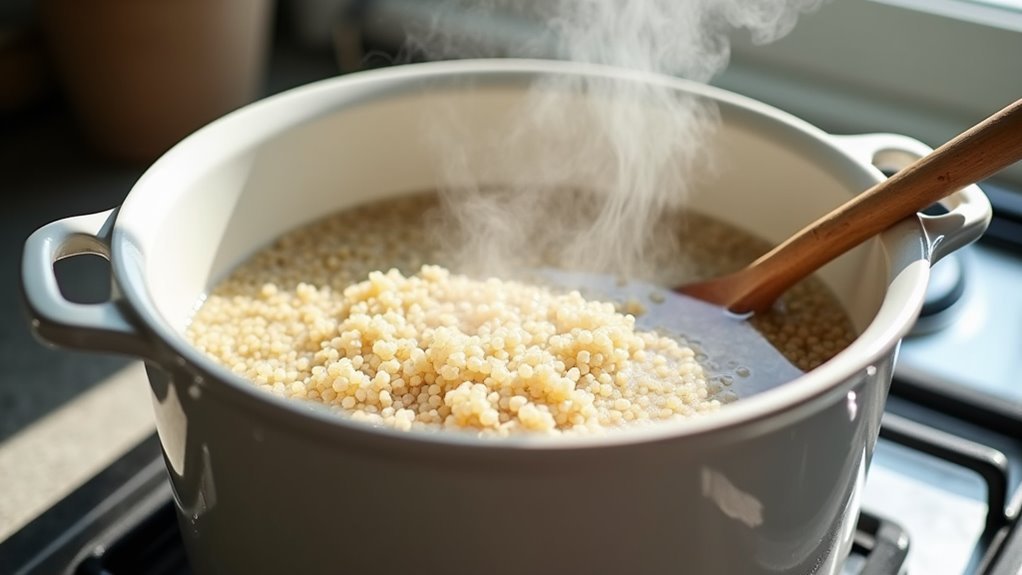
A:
[638,164]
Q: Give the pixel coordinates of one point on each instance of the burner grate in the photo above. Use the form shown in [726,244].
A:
[987,462]
[883,544]
[153,547]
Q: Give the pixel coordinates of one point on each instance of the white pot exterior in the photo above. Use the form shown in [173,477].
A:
[264,485]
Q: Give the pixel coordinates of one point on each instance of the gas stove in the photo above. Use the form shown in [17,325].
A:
[942,496]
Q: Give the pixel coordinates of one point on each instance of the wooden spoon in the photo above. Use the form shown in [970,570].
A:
[984,149]
[693,311]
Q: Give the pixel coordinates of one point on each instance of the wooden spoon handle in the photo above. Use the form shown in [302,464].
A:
[984,149]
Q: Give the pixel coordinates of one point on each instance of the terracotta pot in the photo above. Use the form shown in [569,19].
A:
[143,74]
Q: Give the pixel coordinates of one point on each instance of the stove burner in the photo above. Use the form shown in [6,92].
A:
[945,289]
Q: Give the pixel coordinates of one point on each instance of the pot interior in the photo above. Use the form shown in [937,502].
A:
[238,184]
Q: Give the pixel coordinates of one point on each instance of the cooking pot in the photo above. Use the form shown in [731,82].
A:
[770,484]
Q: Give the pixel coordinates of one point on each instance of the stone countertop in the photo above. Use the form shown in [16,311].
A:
[64,415]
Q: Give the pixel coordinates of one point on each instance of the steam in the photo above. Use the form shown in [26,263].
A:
[614,156]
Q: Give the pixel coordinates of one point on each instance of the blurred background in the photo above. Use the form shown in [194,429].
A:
[92,92]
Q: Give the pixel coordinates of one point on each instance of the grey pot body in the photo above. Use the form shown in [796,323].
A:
[769,497]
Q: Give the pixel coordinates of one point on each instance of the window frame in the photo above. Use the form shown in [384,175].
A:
[856,66]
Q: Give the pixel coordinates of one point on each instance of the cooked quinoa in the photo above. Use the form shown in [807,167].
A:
[312,318]
[438,349]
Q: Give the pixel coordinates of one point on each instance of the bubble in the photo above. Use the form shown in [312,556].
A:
[713,386]
[742,371]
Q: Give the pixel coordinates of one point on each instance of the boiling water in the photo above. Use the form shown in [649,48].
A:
[806,327]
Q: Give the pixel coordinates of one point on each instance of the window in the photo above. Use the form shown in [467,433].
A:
[924,68]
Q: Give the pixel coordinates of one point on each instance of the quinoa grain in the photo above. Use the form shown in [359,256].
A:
[311,317]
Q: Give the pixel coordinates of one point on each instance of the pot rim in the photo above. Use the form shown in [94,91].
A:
[250,125]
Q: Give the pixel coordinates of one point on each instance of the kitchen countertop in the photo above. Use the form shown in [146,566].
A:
[64,415]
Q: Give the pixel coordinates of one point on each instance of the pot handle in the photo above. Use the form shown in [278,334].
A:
[55,320]
[968,209]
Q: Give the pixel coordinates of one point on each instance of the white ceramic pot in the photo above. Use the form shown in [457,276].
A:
[768,485]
